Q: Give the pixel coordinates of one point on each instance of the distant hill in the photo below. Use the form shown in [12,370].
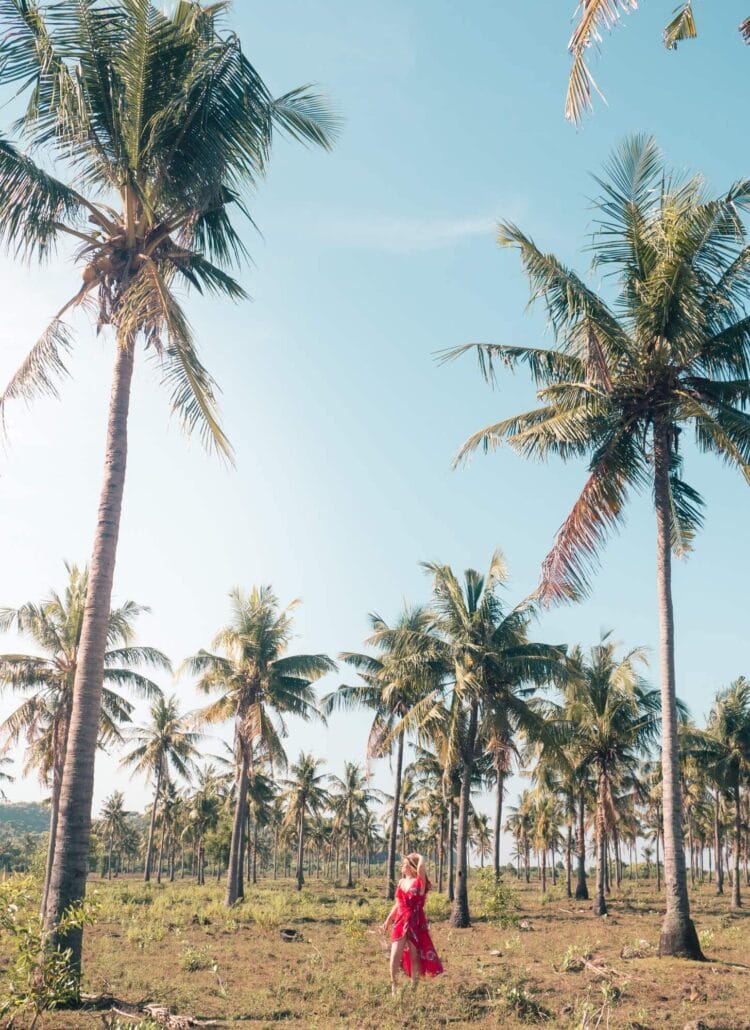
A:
[24,817]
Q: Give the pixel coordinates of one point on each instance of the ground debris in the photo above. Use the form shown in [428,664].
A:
[160,1015]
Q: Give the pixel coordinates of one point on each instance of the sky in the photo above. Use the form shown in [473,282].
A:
[371,259]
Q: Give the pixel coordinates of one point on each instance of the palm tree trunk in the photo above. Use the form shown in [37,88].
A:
[582,891]
[736,899]
[500,786]
[349,881]
[460,916]
[255,852]
[678,934]
[451,853]
[160,860]
[301,849]
[235,888]
[658,862]
[70,866]
[152,826]
[390,887]
[57,774]
[600,904]
[569,862]
[441,852]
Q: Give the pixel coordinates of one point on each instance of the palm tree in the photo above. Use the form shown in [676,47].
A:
[261,793]
[599,16]
[47,679]
[171,128]
[205,808]
[614,717]
[498,734]
[724,749]
[622,384]
[113,822]
[304,795]
[165,744]
[394,682]
[480,835]
[488,657]
[520,824]
[350,799]
[258,682]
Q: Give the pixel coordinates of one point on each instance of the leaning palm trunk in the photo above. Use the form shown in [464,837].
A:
[68,881]
[390,887]
[498,822]
[460,916]
[678,934]
[235,889]
[152,827]
[582,891]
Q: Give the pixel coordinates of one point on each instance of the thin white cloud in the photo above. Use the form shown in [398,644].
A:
[404,234]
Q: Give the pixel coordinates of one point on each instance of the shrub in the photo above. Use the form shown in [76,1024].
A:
[194,959]
[39,978]
[500,905]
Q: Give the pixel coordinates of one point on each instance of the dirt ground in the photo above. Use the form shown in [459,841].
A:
[527,960]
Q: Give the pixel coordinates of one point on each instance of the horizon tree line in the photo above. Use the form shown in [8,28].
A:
[582,725]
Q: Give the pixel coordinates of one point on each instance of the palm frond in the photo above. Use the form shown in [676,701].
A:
[596,17]
[681,27]
[41,368]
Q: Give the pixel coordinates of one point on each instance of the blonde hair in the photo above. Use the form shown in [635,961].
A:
[410,861]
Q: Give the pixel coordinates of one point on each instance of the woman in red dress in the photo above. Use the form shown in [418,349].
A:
[411,945]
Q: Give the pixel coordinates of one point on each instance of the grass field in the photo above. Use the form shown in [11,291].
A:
[527,960]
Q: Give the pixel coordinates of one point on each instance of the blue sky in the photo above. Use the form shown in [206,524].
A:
[373,258]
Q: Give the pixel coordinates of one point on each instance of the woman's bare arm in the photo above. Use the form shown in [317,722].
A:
[391,915]
[422,874]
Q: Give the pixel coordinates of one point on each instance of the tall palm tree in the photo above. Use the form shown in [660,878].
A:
[614,718]
[622,384]
[170,128]
[595,17]
[304,795]
[259,683]
[488,657]
[400,676]
[164,745]
[113,822]
[350,799]
[47,679]
[724,748]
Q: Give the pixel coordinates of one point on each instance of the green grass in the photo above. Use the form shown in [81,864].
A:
[178,946]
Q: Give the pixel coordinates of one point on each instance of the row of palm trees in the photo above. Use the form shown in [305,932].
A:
[458,676]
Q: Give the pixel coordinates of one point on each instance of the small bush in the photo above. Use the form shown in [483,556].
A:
[194,959]
[500,905]
[518,999]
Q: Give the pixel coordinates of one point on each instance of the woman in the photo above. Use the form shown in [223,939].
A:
[411,945]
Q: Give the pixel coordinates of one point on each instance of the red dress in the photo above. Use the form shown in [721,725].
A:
[411,922]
